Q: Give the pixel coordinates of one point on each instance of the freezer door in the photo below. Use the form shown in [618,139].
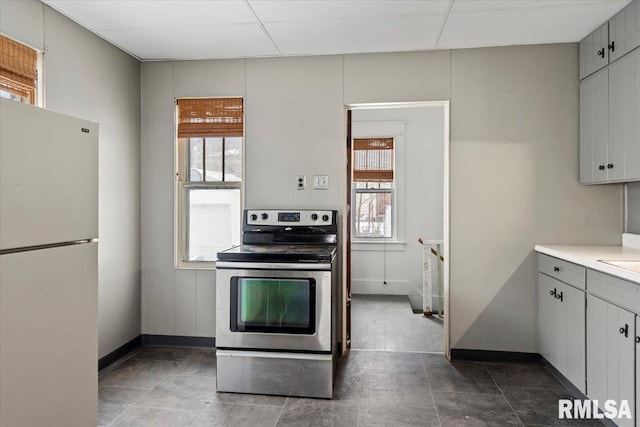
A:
[48,177]
[49,337]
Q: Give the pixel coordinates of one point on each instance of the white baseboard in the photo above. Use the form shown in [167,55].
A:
[377,287]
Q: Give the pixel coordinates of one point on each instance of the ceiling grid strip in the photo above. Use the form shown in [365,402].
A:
[266,33]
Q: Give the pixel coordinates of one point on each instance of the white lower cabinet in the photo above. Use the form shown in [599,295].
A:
[598,348]
[561,328]
[610,354]
[637,342]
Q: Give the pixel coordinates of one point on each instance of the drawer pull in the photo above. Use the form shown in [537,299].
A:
[625,330]
[556,269]
[601,52]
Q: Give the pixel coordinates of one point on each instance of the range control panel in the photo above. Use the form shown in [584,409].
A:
[303,218]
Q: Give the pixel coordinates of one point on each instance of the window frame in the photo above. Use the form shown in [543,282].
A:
[382,129]
[35,93]
[354,197]
[182,188]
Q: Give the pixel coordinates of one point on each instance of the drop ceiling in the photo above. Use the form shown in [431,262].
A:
[214,29]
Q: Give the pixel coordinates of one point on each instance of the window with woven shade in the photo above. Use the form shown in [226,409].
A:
[18,71]
[374,184]
[373,159]
[210,146]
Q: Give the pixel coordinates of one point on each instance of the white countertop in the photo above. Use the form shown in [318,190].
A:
[591,256]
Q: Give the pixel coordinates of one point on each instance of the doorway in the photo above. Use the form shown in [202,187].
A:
[397,194]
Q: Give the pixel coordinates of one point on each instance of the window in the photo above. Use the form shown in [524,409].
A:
[18,71]
[374,185]
[210,153]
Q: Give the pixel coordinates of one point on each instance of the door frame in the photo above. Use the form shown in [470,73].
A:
[346,229]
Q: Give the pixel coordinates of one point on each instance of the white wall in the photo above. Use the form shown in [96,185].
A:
[514,163]
[514,183]
[420,193]
[89,78]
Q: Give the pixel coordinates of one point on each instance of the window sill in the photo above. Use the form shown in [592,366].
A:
[199,265]
[378,245]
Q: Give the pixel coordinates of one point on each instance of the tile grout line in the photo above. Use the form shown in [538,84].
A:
[195,421]
[360,392]
[433,399]
[281,411]
[503,396]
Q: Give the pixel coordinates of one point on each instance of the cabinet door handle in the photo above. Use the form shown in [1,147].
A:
[612,47]
[601,52]
[625,330]
[637,340]
[556,269]
[559,296]
[553,293]
[610,166]
[601,167]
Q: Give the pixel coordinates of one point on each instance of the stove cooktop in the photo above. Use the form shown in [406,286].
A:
[279,253]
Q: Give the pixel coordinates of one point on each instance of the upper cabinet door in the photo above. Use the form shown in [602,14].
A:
[48,177]
[624,119]
[624,31]
[593,51]
[594,127]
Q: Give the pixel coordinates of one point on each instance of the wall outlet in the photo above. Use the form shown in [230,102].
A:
[321,182]
[301,182]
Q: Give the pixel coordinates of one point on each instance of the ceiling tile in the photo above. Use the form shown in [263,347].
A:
[201,42]
[99,15]
[209,29]
[287,10]
[479,23]
[388,34]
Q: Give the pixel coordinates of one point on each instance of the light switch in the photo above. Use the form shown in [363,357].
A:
[302,182]
[321,182]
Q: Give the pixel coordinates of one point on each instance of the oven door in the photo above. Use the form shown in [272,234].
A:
[275,308]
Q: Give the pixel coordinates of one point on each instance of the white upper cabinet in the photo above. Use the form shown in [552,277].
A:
[611,41]
[593,51]
[594,127]
[624,32]
[610,101]
[623,162]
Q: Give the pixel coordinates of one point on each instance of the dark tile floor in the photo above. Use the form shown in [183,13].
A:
[176,387]
[386,322]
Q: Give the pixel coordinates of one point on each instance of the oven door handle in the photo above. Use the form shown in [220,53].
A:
[273,265]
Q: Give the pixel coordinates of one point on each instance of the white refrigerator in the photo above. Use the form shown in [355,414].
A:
[48,268]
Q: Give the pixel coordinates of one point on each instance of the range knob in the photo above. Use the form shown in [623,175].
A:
[314,216]
[253,217]
[325,217]
[264,216]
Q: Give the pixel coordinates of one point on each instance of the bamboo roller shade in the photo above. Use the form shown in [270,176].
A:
[210,117]
[18,67]
[373,159]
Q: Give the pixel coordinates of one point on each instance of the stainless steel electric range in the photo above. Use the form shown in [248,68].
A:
[277,302]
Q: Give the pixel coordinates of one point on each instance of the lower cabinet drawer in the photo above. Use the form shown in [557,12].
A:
[618,291]
[564,271]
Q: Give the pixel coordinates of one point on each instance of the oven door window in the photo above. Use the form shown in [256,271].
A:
[273,305]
